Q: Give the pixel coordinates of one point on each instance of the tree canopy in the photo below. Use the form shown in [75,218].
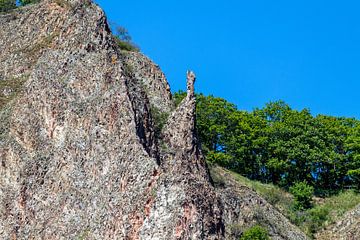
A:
[280,145]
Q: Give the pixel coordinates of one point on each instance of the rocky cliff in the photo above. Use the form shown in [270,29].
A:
[79,153]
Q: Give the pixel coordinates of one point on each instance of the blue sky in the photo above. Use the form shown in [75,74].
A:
[306,53]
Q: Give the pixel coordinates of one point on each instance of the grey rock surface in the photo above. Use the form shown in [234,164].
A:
[78,154]
[153,79]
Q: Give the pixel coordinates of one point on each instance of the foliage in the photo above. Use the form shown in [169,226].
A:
[127,46]
[352,145]
[271,193]
[326,212]
[124,40]
[255,233]
[160,119]
[7,5]
[280,145]
[302,193]
[26,2]
[178,97]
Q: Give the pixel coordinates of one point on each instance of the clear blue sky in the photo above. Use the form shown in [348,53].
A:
[306,53]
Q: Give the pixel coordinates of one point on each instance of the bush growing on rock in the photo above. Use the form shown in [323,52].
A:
[124,40]
[7,5]
[255,233]
[303,194]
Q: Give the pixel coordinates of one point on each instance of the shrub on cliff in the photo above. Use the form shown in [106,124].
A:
[124,40]
[7,5]
[255,233]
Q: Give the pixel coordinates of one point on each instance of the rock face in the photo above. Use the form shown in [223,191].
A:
[346,229]
[78,154]
[79,157]
[153,79]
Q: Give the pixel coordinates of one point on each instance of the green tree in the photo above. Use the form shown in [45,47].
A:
[212,116]
[280,145]
[124,40]
[353,149]
[7,5]
[178,97]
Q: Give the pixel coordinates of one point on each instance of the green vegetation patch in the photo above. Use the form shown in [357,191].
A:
[325,213]
[9,89]
[126,46]
[7,5]
[322,212]
[255,233]
[160,119]
[124,40]
[274,195]
[303,195]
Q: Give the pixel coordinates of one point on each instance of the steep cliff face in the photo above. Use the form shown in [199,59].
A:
[79,157]
[152,78]
[78,154]
[348,228]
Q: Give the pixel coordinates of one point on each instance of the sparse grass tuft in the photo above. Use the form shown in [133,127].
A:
[126,46]
[274,195]
[9,88]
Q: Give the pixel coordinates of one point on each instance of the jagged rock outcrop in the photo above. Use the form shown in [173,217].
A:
[243,208]
[77,149]
[79,157]
[348,228]
[153,79]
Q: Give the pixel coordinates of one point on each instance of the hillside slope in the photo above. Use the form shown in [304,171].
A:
[244,208]
[348,228]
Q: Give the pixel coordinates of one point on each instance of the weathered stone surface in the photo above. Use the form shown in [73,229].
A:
[348,228]
[152,78]
[78,154]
